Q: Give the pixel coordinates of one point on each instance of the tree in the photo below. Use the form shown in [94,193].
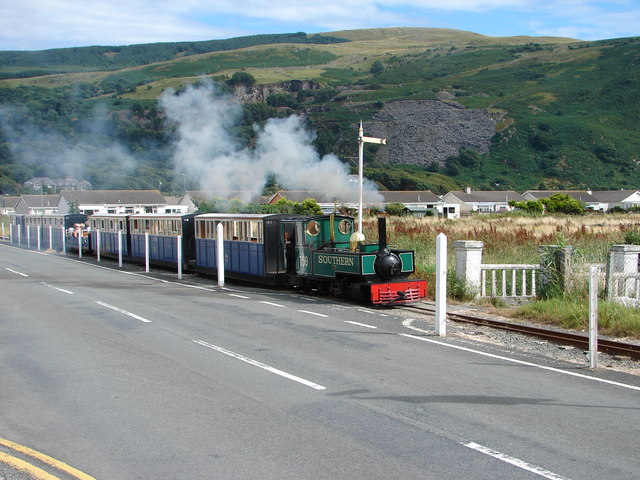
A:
[376,68]
[241,78]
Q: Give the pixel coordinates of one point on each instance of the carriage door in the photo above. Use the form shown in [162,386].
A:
[288,238]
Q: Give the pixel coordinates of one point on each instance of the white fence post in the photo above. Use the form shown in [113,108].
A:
[593,316]
[146,251]
[64,241]
[98,245]
[3,230]
[220,254]
[441,285]
[38,233]
[469,263]
[51,237]
[11,233]
[80,243]
[120,248]
[179,254]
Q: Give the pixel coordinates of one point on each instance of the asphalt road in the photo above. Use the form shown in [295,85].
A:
[123,376]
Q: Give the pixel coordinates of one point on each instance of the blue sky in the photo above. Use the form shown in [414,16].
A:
[41,24]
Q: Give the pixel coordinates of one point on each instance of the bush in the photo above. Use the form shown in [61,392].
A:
[562,203]
[396,209]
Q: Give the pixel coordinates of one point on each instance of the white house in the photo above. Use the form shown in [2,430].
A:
[481,201]
[89,202]
[618,198]
[36,205]
[585,197]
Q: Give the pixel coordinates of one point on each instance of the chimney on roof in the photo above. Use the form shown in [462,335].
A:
[589,192]
[468,189]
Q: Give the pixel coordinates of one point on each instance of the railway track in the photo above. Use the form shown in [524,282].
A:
[566,338]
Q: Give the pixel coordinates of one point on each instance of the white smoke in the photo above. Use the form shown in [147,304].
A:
[50,153]
[208,150]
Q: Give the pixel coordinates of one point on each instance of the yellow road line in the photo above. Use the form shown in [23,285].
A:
[23,466]
[46,459]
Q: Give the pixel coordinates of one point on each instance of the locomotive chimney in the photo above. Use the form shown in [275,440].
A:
[382,233]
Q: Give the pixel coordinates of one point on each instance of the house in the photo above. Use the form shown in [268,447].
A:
[174,206]
[584,197]
[8,204]
[37,205]
[482,201]
[418,203]
[618,198]
[192,198]
[89,202]
[67,183]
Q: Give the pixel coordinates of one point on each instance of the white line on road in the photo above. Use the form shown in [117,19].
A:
[238,296]
[124,312]
[360,324]
[514,461]
[57,288]
[255,363]
[521,362]
[272,304]
[372,312]
[314,313]
[16,272]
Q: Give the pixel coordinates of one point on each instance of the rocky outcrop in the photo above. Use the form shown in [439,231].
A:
[420,132]
[260,93]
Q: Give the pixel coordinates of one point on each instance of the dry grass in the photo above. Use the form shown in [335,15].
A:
[510,238]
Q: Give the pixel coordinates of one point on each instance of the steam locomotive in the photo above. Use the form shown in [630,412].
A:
[306,252]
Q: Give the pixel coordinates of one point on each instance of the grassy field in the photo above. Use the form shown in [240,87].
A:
[512,238]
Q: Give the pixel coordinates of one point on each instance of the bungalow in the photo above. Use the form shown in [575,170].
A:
[192,198]
[482,201]
[36,205]
[618,198]
[418,203]
[584,197]
[89,202]
[8,204]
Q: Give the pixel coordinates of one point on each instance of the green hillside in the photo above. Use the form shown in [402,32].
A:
[566,110]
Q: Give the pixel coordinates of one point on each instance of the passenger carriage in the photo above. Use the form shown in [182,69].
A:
[113,232]
[164,231]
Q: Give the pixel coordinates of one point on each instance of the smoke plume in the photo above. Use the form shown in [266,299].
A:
[208,150]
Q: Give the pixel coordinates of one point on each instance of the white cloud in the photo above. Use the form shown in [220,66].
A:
[37,24]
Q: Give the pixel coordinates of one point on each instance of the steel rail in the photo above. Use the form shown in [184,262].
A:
[582,341]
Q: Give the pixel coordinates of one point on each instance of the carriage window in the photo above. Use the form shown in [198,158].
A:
[313,228]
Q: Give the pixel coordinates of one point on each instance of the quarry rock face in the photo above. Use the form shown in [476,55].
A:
[260,93]
[419,132]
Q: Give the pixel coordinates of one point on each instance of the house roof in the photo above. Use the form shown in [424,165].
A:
[489,196]
[579,195]
[8,202]
[323,197]
[423,196]
[204,195]
[114,197]
[614,195]
[34,201]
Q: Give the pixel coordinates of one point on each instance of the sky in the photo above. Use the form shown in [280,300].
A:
[43,24]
